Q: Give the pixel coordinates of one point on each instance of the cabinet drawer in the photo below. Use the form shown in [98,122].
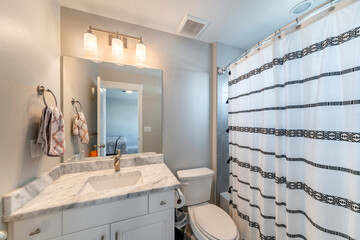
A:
[39,228]
[161,201]
[98,233]
[98,215]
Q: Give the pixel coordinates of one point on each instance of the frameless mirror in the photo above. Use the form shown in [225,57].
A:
[117,107]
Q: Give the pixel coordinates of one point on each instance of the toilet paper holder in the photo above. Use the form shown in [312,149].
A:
[179,198]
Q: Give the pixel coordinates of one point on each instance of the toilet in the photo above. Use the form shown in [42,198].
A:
[208,221]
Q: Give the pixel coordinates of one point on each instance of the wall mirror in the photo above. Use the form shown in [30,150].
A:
[122,106]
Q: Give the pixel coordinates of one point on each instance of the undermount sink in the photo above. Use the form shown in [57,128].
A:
[119,180]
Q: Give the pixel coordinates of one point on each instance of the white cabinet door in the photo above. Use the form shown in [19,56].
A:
[98,233]
[156,226]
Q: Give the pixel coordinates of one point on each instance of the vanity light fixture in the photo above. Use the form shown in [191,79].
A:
[90,41]
[117,41]
[117,47]
[141,50]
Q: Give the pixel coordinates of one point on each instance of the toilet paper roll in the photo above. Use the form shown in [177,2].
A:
[179,198]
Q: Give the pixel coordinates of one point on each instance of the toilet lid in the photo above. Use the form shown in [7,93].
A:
[215,222]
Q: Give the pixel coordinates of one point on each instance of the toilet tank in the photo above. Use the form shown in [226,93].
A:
[196,185]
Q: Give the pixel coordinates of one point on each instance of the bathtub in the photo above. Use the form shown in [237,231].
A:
[224,201]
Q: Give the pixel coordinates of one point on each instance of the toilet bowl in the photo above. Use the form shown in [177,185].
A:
[207,221]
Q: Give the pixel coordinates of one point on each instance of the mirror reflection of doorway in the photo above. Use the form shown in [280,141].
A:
[119,117]
[121,121]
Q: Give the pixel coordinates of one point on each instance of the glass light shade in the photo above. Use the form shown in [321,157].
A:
[141,51]
[117,47]
[90,42]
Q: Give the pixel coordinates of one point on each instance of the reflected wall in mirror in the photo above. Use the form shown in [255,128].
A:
[122,106]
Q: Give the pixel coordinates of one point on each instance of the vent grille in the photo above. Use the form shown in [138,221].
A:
[192,26]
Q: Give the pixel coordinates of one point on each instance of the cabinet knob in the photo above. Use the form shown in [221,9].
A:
[116,236]
[37,231]
[102,237]
[162,203]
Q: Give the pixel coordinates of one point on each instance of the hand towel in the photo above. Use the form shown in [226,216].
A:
[51,135]
[80,128]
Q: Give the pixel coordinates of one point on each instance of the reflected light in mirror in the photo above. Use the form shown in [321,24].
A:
[117,47]
[128,91]
[90,42]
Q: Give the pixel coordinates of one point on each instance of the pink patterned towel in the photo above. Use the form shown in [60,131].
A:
[51,135]
[80,128]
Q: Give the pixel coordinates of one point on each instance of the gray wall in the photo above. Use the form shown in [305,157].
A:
[224,55]
[122,118]
[78,80]
[30,55]
[186,66]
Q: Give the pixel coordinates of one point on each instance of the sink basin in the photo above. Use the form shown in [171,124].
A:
[119,180]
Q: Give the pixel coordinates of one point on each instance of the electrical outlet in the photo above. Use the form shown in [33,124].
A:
[34,149]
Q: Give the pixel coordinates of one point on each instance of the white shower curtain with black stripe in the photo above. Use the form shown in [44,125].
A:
[294,132]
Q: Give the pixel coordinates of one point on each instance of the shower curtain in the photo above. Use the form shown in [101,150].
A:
[294,132]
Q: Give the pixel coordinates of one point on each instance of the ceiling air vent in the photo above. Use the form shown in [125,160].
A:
[192,26]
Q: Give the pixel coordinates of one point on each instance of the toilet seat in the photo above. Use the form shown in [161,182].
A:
[209,222]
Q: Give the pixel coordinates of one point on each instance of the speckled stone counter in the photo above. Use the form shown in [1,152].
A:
[60,189]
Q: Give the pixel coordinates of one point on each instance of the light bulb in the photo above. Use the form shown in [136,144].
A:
[90,42]
[141,51]
[117,47]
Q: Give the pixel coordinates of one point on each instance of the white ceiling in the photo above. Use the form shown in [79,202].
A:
[240,23]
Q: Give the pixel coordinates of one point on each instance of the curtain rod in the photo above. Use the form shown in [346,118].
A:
[298,20]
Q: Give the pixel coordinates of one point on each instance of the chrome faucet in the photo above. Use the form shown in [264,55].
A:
[117,161]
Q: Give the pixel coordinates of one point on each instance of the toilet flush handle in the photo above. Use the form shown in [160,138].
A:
[185,182]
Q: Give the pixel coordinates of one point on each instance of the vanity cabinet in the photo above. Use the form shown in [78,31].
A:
[148,217]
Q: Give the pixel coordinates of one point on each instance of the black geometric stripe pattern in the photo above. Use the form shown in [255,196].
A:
[313,134]
[254,225]
[321,197]
[317,77]
[329,42]
[252,187]
[332,232]
[257,226]
[317,165]
[310,105]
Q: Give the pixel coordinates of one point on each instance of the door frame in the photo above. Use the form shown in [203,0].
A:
[101,128]
[132,87]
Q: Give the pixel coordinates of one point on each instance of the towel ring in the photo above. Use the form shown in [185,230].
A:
[41,91]
[73,102]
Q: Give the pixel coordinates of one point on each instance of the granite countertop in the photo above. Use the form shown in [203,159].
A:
[62,188]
